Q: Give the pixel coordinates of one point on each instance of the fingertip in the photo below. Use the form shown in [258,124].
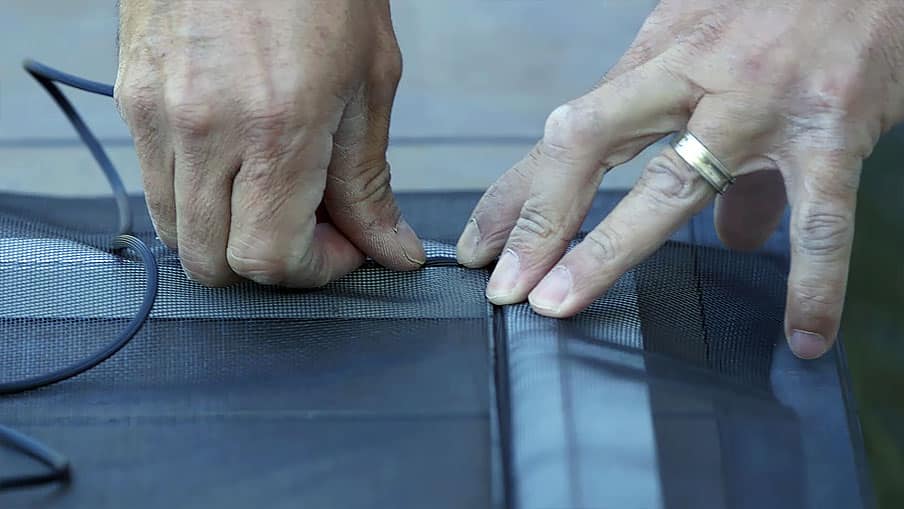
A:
[496,214]
[808,345]
[341,255]
[411,246]
[381,233]
[396,248]
[503,287]
[812,315]
[466,248]
[549,296]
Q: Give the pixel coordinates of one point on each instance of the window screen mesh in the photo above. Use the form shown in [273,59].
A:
[386,382]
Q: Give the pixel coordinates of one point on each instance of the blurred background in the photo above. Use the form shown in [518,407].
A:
[480,78]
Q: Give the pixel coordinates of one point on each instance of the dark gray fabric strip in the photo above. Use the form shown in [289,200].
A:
[53,278]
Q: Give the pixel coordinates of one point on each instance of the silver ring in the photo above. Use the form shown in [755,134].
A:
[698,157]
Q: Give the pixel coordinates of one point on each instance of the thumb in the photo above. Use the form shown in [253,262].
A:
[358,195]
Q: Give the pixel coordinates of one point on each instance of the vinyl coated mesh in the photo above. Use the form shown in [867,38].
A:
[402,359]
[63,295]
[51,278]
[266,380]
[659,394]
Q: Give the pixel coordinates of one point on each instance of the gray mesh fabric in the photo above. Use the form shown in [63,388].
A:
[389,389]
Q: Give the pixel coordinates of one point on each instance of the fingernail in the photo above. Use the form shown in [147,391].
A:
[552,290]
[411,245]
[504,279]
[808,345]
[467,243]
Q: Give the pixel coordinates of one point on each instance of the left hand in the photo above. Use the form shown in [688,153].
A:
[790,96]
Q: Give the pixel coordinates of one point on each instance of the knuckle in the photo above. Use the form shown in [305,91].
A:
[393,74]
[533,162]
[387,69]
[373,184]
[535,222]
[571,127]
[262,265]
[708,31]
[835,92]
[604,245]
[369,189]
[817,297]
[190,115]
[271,185]
[136,103]
[641,51]
[267,121]
[838,177]
[768,64]
[667,182]
[821,232]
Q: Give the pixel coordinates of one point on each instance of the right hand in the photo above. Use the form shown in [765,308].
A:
[247,116]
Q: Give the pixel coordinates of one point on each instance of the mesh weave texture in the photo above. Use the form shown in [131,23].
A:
[385,389]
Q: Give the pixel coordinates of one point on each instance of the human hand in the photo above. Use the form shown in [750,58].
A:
[247,116]
[790,96]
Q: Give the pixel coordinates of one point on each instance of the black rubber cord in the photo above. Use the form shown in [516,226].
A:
[57,464]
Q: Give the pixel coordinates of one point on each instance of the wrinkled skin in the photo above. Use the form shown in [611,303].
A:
[248,115]
[791,96]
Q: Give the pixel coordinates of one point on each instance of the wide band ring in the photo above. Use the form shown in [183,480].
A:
[698,157]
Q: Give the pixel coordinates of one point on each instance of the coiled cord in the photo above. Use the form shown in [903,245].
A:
[58,465]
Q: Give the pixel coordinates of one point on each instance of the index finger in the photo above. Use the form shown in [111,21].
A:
[668,193]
